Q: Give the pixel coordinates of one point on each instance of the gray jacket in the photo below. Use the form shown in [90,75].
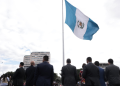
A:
[91,75]
[69,75]
[112,73]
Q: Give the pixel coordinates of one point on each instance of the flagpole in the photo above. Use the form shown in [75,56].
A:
[63,32]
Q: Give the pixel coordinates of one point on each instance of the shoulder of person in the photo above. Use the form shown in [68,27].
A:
[73,66]
[108,67]
[88,64]
[64,66]
[40,64]
[28,68]
[22,68]
[17,69]
[31,67]
[101,69]
[51,65]
[34,67]
[116,66]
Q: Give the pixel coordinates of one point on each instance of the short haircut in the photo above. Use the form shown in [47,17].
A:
[68,61]
[89,59]
[96,63]
[83,65]
[46,58]
[32,62]
[21,63]
[110,61]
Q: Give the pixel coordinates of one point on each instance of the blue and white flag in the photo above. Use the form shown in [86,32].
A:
[82,26]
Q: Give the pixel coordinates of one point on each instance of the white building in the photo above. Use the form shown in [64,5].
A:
[26,61]
[37,57]
[103,65]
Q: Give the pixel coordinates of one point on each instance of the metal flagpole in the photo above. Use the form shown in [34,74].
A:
[63,32]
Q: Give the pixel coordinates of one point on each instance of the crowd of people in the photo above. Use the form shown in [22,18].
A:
[91,75]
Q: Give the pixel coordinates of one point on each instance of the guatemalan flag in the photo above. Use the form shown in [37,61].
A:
[82,26]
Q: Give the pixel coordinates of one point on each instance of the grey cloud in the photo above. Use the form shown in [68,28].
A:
[5,68]
[40,29]
[112,6]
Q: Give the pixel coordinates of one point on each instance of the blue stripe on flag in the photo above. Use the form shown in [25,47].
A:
[92,28]
[70,15]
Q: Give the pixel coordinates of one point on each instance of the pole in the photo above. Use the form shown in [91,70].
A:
[63,32]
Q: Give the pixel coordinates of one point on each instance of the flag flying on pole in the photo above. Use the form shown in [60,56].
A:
[81,25]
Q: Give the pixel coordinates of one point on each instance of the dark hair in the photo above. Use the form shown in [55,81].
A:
[83,65]
[96,63]
[110,61]
[89,59]
[68,61]
[46,58]
[21,63]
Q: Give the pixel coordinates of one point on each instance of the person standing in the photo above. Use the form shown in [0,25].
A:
[69,74]
[19,75]
[8,80]
[91,73]
[1,80]
[80,75]
[30,74]
[44,73]
[112,73]
[101,74]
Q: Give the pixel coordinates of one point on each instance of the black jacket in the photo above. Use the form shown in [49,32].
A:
[18,77]
[43,74]
[69,75]
[112,73]
[91,75]
[30,75]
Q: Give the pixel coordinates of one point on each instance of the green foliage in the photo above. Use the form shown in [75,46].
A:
[57,78]
[8,74]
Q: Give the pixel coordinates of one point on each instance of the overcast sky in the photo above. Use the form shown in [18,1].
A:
[36,25]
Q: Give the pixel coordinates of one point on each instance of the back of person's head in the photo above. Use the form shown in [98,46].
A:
[32,63]
[21,64]
[96,63]
[68,61]
[89,59]
[45,58]
[110,61]
[83,65]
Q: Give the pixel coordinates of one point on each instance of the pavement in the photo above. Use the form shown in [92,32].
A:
[3,84]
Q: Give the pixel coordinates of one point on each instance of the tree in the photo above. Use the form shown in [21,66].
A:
[7,74]
[57,78]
